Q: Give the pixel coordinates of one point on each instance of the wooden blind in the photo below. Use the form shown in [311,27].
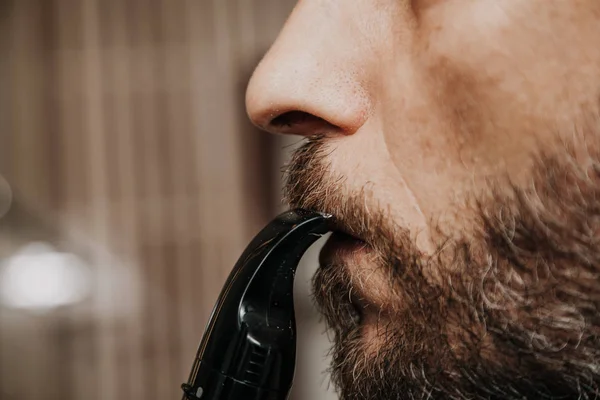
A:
[125,141]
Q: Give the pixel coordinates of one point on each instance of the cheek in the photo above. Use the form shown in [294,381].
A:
[439,108]
[516,58]
[476,71]
[501,77]
[485,86]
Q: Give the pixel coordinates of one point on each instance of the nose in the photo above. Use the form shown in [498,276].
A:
[312,80]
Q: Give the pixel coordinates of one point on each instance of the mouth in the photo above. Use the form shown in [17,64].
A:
[345,242]
[352,256]
[347,229]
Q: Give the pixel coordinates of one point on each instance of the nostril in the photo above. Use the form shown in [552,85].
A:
[291,118]
[301,123]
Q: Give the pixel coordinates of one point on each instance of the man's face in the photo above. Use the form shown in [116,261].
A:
[457,142]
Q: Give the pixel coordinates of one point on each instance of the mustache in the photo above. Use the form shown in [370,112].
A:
[311,184]
[307,184]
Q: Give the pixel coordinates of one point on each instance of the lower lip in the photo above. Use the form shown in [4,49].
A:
[340,245]
[345,251]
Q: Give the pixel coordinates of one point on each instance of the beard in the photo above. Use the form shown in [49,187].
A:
[508,310]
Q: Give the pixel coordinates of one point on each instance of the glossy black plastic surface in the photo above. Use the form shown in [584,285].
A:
[248,350]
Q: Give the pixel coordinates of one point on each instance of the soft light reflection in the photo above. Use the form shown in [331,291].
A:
[40,278]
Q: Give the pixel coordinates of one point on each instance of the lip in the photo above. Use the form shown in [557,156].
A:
[345,251]
[370,289]
[339,246]
[343,229]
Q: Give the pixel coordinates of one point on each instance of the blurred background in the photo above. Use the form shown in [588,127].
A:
[130,182]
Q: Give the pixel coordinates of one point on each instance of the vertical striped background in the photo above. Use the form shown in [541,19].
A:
[124,138]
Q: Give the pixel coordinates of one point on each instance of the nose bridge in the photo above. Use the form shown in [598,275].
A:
[317,66]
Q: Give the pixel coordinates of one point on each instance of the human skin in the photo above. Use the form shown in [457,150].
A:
[435,126]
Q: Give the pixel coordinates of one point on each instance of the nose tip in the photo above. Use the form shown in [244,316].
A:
[305,85]
[303,102]
[303,105]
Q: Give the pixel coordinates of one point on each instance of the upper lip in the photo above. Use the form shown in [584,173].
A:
[342,226]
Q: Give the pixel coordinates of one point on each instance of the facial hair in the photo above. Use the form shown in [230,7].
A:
[507,311]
